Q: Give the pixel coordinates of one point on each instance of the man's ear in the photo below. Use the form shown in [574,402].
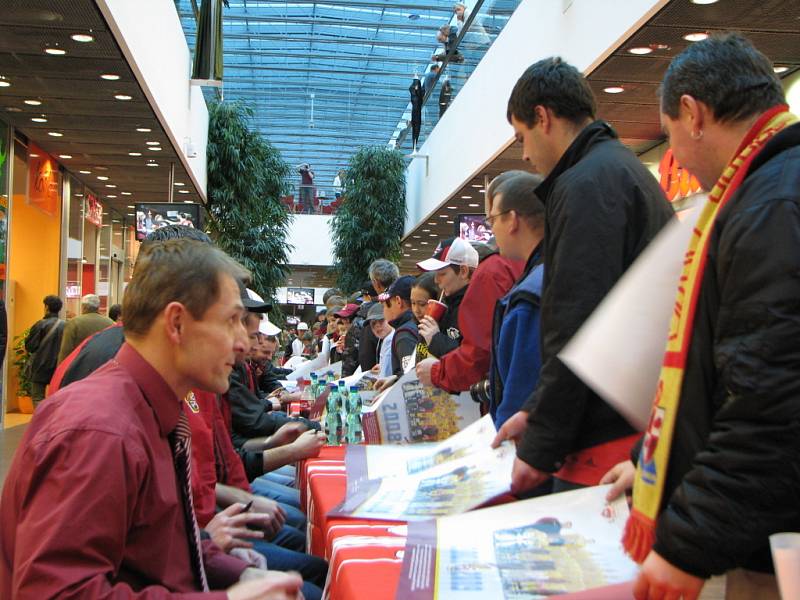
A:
[175,317]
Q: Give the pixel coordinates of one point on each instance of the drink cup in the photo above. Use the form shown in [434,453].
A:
[786,557]
[435,309]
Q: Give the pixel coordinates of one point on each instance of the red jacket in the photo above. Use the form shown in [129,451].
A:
[469,363]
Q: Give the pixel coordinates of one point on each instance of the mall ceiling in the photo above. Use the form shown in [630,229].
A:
[637,67]
[99,132]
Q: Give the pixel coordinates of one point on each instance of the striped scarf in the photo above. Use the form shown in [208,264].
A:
[651,472]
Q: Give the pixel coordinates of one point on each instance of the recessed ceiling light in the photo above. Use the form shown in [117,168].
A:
[431,222]
[433,235]
[143,129]
[409,245]
[153,143]
[13,109]
[695,37]
[184,192]
[152,164]
[79,195]
[467,197]
[416,237]
[614,89]
[38,119]
[111,195]
[640,50]
[474,205]
[443,216]
[99,168]
[131,206]
[85,172]
[452,207]
[476,185]
[130,214]
[33,102]
[426,231]
[55,51]
[406,255]
[55,134]
[134,153]
[33,155]
[780,69]
[110,185]
[82,37]
[188,201]
[179,183]
[109,76]
[451,222]
[4,82]
[704,1]
[123,97]
[425,243]
[102,178]
[125,193]
[154,148]
[65,156]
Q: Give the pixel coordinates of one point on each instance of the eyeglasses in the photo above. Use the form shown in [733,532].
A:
[489,221]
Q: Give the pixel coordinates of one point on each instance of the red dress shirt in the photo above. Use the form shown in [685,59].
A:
[469,363]
[90,506]
[214,459]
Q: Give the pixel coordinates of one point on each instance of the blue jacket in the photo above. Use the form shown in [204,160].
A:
[516,357]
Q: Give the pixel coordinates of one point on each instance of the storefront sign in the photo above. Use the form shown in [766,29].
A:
[94,211]
[42,180]
[676,181]
[73,291]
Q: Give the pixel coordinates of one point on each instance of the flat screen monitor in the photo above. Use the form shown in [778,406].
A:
[470,227]
[299,295]
[153,215]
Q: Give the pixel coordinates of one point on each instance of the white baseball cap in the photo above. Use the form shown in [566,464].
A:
[265,326]
[455,251]
[302,326]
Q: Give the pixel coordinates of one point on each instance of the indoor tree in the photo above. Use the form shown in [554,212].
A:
[247,178]
[370,221]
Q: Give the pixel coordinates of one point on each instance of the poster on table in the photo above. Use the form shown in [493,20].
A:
[410,413]
[449,488]
[556,544]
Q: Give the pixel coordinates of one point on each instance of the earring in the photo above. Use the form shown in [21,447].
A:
[696,135]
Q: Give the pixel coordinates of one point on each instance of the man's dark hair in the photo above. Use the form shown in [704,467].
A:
[114,311]
[726,73]
[556,85]
[518,193]
[175,232]
[53,304]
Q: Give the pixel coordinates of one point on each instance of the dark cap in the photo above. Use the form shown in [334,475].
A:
[401,287]
[252,301]
[367,289]
[375,312]
[347,312]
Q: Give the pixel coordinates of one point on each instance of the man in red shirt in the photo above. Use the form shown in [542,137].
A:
[96,503]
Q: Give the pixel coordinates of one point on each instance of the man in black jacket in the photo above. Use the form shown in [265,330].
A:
[43,343]
[602,207]
[397,311]
[733,471]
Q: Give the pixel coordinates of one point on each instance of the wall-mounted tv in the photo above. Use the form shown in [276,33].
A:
[299,295]
[470,227]
[154,215]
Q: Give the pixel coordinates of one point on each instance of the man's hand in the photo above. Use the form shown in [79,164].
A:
[308,444]
[385,383]
[276,514]
[287,433]
[255,584]
[622,476]
[512,429]
[228,529]
[659,579]
[428,327]
[376,369]
[524,477]
[424,368]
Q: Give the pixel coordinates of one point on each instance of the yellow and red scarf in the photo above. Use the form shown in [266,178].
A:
[648,488]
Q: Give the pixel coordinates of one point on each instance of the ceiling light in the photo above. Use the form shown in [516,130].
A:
[425,243]
[99,168]
[443,216]
[451,222]
[109,185]
[416,237]
[154,148]
[79,195]
[474,205]
[467,197]
[143,129]
[477,185]
[452,207]
[640,50]
[123,97]
[179,183]
[131,205]
[85,172]
[134,153]
[33,155]
[704,1]
[4,82]
[406,255]
[65,156]
[82,37]
[109,76]
[102,178]
[55,134]
[33,102]
[13,109]
[780,70]
[153,143]
[409,245]
[614,89]
[125,193]
[433,235]
[130,214]
[426,231]
[695,37]
[151,164]
[188,201]
[38,119]
[431,222]
[184,192]
[55,51]
[111,196]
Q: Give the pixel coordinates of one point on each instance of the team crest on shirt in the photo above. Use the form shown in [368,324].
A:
[453,333]
[192,403]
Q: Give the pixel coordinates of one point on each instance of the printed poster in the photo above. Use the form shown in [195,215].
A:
[538,548]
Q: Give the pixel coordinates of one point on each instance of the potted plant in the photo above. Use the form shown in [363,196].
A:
[21,358]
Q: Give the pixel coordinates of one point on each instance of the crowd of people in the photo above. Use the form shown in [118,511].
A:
[716,472]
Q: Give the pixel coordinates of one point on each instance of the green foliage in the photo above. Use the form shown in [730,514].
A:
[246,179]
[20,361]
[369,224]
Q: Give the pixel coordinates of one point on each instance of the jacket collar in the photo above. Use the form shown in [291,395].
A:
[533,260]
[402,319]
[593,133]
[788,138]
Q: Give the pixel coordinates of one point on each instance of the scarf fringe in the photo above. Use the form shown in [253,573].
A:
[639,536]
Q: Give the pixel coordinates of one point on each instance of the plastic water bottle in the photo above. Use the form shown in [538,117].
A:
[314,385]
[342,395]
[355,431]
[333,418]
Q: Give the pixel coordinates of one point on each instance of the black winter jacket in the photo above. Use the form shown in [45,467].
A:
[368,346]
[449,336]
[404,340]
[734,469]
[44,347]
[602,207]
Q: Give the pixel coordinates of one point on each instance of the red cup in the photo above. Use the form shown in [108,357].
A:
[435,309]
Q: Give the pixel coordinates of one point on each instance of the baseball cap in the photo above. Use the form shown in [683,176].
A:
[367,289]
[401,287]
[453,251]
[302,326]
[265,326]
[375,312]
[348,311]
[252,301]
